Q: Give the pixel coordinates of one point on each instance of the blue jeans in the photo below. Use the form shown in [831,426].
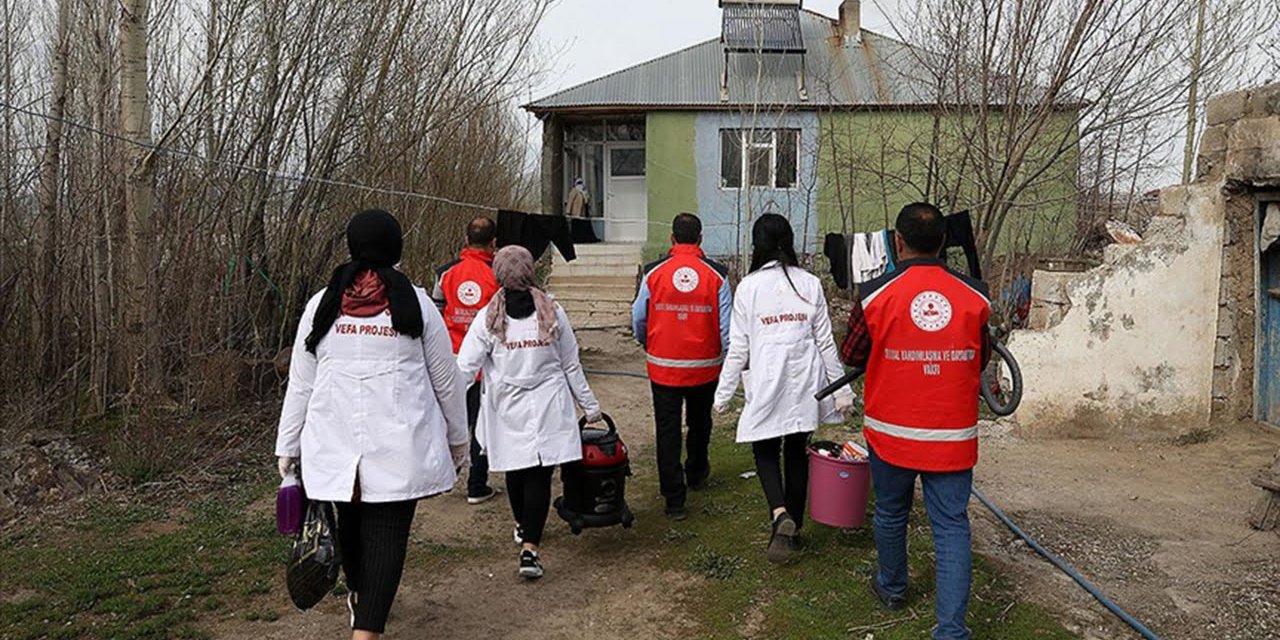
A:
[946,499]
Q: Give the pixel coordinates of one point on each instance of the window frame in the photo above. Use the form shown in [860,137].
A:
[748,142]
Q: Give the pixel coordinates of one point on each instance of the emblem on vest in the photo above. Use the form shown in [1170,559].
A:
[931,311]
[469,293]
[685,279]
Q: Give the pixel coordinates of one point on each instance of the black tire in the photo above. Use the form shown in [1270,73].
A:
[1002,401]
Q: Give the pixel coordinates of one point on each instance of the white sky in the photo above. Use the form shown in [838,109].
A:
[585,39]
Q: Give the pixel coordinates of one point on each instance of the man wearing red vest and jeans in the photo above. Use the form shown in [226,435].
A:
[463,288]
[921,333]
[681,316]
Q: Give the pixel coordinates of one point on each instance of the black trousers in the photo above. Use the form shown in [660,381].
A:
[672,407]
[771,456]
[374,537]
[478,476]
[530,493]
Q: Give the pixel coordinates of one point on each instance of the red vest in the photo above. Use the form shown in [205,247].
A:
[923,376]
[466,285]
[683,334]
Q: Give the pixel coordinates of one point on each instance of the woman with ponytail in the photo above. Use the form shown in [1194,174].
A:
[375,412]
[782,329]
[533,384]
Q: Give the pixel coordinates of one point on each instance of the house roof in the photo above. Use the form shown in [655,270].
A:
[873,71]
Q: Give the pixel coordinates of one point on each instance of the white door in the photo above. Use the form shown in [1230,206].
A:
[626,203]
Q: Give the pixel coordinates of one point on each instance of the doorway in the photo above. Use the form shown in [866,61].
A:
[626,204]
[1267,363]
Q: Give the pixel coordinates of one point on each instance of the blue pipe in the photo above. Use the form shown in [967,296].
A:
[1066,568]
[1000,515]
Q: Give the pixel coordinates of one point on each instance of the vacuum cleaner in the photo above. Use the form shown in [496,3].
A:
[595,489]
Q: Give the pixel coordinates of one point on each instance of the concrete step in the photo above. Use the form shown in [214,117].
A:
[577,270]
[617,290]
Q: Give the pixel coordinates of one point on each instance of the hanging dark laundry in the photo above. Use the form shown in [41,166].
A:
[960,235]
[536,232]
[583,230]
[836,249]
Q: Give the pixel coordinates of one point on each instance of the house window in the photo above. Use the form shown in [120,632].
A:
[759,158]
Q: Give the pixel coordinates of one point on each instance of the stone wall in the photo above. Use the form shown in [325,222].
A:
[1240,149]
[1160,337]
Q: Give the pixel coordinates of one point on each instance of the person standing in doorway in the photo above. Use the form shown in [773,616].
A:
[533,383]
[781,327]
[921,333]
[463,288]
[681,317]
[579,200]
[374,412]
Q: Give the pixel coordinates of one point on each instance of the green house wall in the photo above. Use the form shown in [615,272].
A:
[670,173]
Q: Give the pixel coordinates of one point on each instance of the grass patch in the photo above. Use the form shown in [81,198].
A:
[824,593]
[99,577]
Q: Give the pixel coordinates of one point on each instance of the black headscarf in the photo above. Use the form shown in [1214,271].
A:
[375,241]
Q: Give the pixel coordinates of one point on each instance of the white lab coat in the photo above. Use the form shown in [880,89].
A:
[375,405]
[787,341]
[528,416]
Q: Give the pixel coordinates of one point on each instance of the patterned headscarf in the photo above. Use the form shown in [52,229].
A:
[513,268]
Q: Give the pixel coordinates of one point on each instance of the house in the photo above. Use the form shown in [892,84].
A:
[771,116]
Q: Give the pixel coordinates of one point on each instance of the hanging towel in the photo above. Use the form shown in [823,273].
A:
[535,233]
[867,256]
[890,260]
[960,234]
[836,249]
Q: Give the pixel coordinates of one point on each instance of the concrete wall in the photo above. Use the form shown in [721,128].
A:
[1130,348]
[1161,337]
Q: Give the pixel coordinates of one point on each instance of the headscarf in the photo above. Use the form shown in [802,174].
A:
[375,241]
[513,268]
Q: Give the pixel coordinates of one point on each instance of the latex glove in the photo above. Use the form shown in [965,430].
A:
[461,454]
[595,418]
[721,409]
[846,403]
[285,465]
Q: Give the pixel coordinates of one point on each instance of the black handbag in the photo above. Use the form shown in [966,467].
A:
[316,558]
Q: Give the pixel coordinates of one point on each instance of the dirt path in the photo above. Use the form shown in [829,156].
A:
[1159,527]
[461,580]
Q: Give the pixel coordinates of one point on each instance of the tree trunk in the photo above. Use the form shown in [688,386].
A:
[139,192]
[1189,151]
[50,179]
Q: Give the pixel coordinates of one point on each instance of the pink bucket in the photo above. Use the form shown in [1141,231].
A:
[838,490]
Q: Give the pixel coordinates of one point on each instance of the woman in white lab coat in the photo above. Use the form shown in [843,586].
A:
[533,384]
[782,330]
[375,412]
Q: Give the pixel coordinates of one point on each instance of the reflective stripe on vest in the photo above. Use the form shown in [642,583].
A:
[685,364]
[922,435]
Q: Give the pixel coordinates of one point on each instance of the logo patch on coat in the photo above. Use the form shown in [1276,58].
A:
[469,293]
[931,311]
[685,279]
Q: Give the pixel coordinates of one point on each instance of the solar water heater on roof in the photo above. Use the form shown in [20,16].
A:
[762,26]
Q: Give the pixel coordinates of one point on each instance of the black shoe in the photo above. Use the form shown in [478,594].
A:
[530,565]
[782,545]
[677,512]
[887,601]
[699,483]
[488,494]
[518,535]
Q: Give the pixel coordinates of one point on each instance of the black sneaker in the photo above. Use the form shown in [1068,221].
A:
[887,601]
[782,544]
[490,493]
[518,535]
[700,482]
[677,512]
[530,565]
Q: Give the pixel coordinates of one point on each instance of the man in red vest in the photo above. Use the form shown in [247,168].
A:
[921,333]
[681,316]
[463,288]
